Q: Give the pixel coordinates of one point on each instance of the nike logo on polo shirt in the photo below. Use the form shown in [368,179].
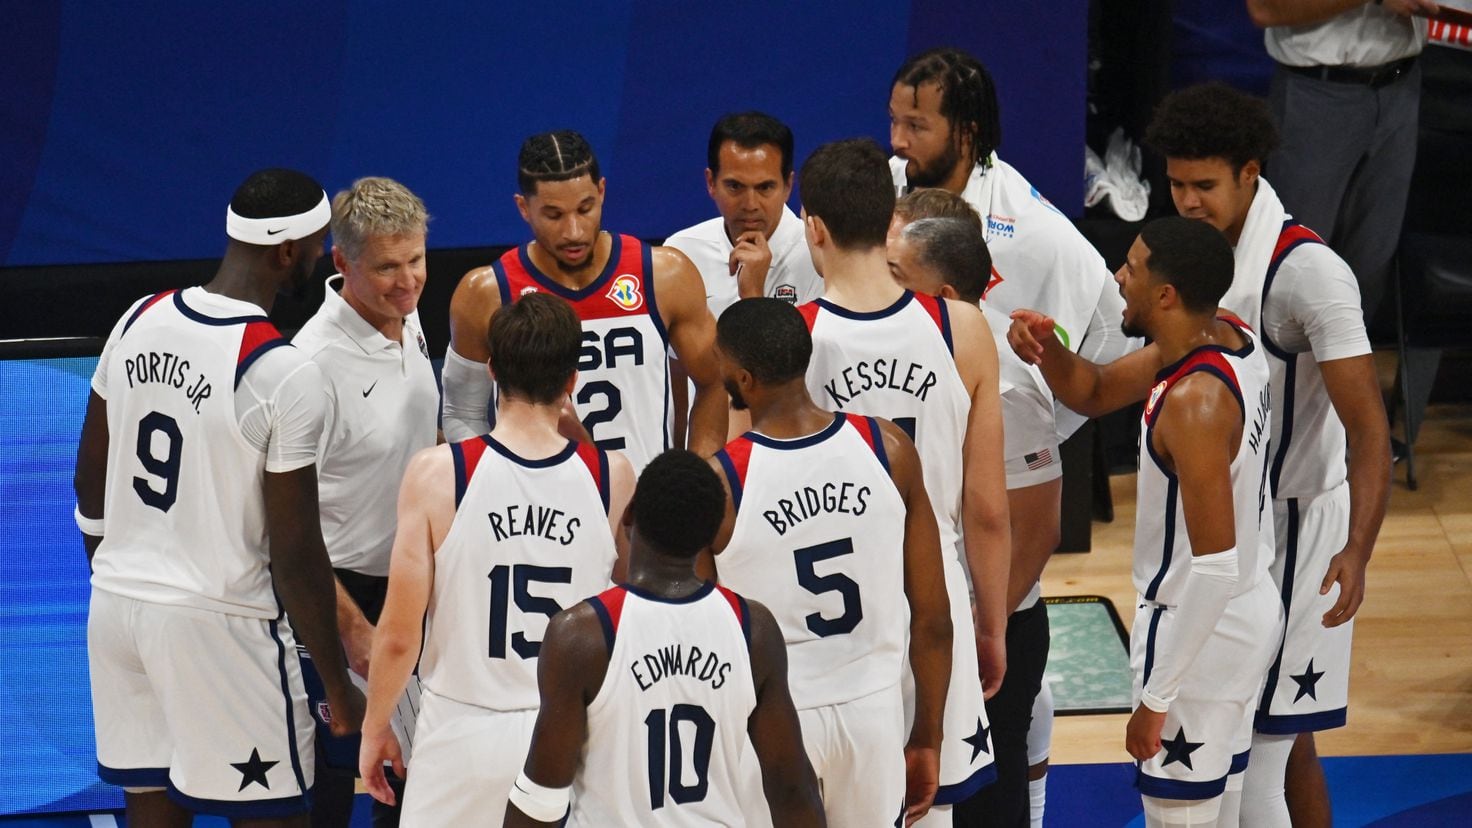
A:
[370,389]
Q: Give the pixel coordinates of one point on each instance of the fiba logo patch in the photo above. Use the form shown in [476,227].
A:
[324,713]
[625,292]
[787,293]
[1154,397]
[528,289]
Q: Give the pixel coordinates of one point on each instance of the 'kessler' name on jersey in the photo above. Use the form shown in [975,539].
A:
[854,380]
[679,660]
[530,520]
[167,369]
[841,497]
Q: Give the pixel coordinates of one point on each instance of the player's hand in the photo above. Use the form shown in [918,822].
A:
[347,705]
[376,749]
[752,258]
[1348,570]
[1408,8]
[1142,734]
[922,780]
[991,659]
[1028,333]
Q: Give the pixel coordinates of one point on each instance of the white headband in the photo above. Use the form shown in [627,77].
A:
[273,231]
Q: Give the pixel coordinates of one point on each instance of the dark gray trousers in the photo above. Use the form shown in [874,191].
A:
[1344,166]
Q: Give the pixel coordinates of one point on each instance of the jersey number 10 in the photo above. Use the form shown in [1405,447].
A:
[667,750]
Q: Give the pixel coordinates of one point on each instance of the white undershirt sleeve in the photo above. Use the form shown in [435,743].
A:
[467,397]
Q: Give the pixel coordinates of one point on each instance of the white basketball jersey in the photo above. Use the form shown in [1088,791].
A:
[668,727]
[898,364]
[623,390]
[1308,437]
[530,538]
[819,540]
[185,510]
[1162,547]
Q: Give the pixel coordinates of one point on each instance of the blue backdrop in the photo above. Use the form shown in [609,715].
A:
[125,127]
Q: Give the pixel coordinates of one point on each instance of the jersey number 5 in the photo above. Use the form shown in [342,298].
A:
[521,576]
[808,578]
[664,727]
[166,468]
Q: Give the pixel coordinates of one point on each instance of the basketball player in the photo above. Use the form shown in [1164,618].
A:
[947,257]
[197,451]
[945,129]
[1303,298]
[755,246]
[382,407]
[1208,619]
[841,498]
[650,690]
[636,303]
[930,366]
[496,534]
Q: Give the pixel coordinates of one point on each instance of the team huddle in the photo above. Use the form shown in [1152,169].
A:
[768,554]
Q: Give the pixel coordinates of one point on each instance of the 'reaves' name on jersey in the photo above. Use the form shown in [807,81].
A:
[167,369]
[916,380]
[531,520]
[833,497]
[679,660]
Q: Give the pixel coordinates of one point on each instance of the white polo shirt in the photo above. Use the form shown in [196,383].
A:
[1369,35]
[791,276]
[382,406]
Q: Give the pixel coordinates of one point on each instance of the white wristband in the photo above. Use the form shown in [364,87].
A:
[1154,702]
[540,803]
[89,526]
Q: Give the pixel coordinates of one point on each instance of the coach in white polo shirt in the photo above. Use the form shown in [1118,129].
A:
[382,405]
[755,247]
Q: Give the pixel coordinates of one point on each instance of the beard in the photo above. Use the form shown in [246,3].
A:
[1130,329]
[738,402]
[937,171]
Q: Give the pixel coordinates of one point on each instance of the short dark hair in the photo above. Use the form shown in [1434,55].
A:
[534,345]
[956,249]
[848,185]
[1191,256]
[767,337]
[933,202]
[968,97]
[678,504]
[1213,120]
[276,192]
[554,156]
[750,130]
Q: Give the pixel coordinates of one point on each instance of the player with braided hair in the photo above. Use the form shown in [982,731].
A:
[636,302]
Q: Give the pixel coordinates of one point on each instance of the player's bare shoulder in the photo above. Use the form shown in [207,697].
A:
[476,297]
[673,271]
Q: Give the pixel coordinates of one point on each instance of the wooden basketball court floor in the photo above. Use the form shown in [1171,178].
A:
[1411,679]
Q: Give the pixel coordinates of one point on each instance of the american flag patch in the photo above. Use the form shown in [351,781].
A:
[1039,459]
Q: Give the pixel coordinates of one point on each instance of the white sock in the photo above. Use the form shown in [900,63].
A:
[1037,794]
[1231,810]
[1263,803]
[1181,813]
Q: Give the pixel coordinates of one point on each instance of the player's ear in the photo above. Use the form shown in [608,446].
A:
[521,207]
[710,182]
[490,370]
[602,187]
[339,260]
[1250,171]
[572,382]
[948,292]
